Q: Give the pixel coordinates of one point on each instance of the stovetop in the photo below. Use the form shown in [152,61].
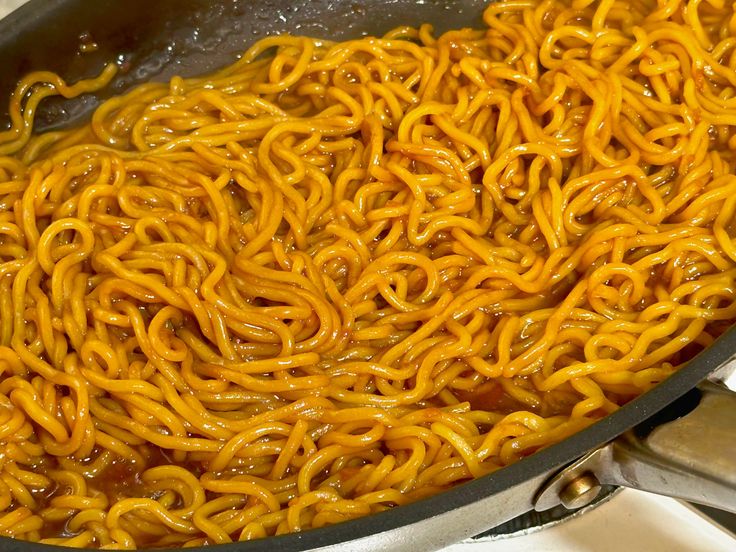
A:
[629,521]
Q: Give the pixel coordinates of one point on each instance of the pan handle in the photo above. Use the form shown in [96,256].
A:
[692,457]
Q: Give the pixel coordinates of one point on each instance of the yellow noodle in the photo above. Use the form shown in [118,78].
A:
[337,277]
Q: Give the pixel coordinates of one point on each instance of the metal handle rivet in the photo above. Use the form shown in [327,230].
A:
[580,492]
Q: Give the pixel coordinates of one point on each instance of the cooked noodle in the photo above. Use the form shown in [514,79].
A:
[334,278]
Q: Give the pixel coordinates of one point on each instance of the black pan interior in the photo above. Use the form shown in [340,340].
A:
[155,39]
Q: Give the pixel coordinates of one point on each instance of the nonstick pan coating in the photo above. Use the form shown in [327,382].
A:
[155,39]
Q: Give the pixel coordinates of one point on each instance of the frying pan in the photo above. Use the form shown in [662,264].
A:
[679,439]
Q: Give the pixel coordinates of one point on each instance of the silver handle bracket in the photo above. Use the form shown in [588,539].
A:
[692,457]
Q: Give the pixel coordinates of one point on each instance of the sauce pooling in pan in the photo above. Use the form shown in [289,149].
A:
[334,278]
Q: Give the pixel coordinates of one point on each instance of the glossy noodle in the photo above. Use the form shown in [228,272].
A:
[334,278]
